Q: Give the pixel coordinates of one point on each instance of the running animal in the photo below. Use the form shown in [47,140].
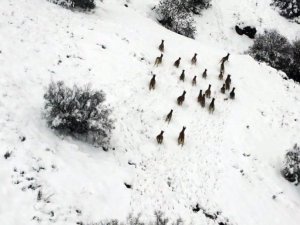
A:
[158,60]
[152,83]
[160,137]
[181,98]
[161,47]
[181,137]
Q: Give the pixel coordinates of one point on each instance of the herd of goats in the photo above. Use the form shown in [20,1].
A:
[201,97]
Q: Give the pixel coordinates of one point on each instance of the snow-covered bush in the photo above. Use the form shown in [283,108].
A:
[78,112]
[291,169]
[176,16]
[288,8]
[296,51]
[83,4]
[196,6]
[159,219]
[294,70]
[274,49]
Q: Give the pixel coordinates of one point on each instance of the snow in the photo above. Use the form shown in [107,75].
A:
[223,166]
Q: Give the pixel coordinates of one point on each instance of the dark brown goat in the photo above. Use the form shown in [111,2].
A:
[152,83]
[225,58]
[158,60]
[211,107]
[177,62]
[204,74]
[228,82]
[223,89]
[161,47]
[181,137]
[182,76]
[194,59]
[194,81]
[169,116]
[232,94]
[208,92]
[181,98]
[160,137]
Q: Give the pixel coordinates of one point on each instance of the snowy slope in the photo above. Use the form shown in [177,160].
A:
[223,166]
[216,26]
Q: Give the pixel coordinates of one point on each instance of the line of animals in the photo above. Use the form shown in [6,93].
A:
[201,96]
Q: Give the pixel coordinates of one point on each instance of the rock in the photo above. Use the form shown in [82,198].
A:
[129,186]
[248,31]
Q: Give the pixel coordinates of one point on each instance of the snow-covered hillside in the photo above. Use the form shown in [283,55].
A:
[216,25]
[230,162]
